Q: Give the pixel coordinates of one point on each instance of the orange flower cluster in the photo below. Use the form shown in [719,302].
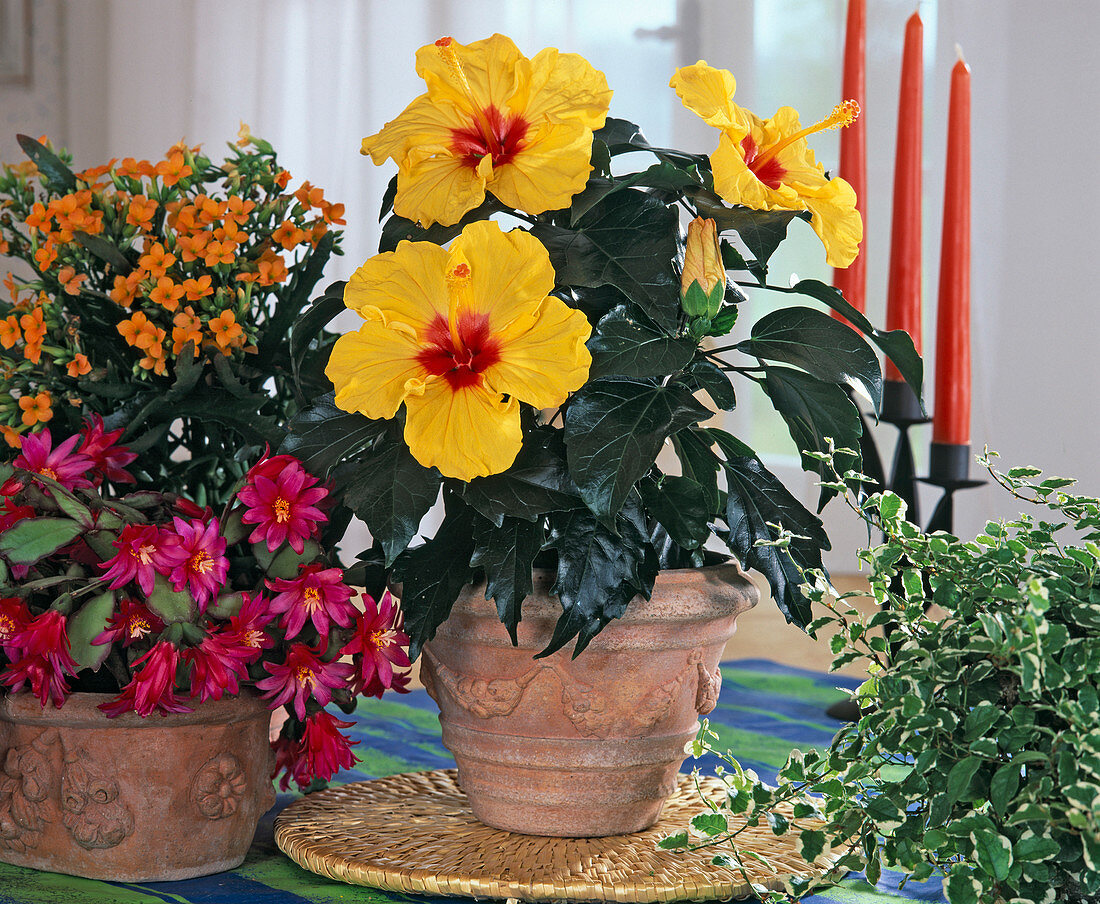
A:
[191,253]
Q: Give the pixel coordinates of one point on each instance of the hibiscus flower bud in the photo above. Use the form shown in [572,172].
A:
[703,281]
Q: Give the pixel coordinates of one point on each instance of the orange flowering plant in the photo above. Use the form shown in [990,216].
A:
[160,297]
[542,319]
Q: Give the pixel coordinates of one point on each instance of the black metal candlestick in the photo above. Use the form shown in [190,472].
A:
[949,469]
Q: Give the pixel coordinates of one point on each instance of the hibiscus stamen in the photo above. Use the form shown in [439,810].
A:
[843,114]
[458,279]
[492,142]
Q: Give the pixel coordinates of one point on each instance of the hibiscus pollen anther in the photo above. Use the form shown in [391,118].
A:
[844,114]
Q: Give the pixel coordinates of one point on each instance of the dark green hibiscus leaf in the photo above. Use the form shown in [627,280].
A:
[681,506]
[756,500]
[312,322]
[433,575]
[59,177]
[614,429]
[626,345]
[761,230]
[621,135]
[629,241]
[322,435]
[815,412]
[699,463]
[897,344]
[505,553]
[398,229]
[390,491]
[537,482]
[705,375]
[661,176]
[600,571]
[820,345]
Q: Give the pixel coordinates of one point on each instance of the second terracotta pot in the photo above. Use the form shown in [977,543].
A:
[588,746]
[131,799]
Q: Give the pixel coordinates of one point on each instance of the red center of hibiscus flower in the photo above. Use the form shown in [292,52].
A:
[200,562]
[767,169]
[282,510]
[460,363]
[490,135]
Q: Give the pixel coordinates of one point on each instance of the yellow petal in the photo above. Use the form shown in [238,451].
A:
[547,360]
[422,123]
[466,433]
[552,167]
[510,272]
[374,369]
[836,221]
[404,286]
[562,87]
[708,92]
[437,187]
[489,67]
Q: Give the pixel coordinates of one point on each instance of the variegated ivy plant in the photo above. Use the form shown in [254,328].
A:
[978,752]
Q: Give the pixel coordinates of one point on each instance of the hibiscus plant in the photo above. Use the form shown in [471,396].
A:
[163,604]
[539,324]
[159,296]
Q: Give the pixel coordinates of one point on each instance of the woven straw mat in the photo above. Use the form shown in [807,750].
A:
[414,833]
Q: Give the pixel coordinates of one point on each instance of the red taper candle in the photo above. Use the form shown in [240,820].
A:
[951,419]
[852,280]
[903,293]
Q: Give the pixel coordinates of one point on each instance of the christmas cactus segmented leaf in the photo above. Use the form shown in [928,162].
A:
[32,539]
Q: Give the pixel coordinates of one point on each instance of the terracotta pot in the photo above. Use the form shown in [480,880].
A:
[588,746]
[131,799]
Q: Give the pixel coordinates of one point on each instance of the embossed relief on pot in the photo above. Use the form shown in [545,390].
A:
[29,775]
[91,810]
[219,786]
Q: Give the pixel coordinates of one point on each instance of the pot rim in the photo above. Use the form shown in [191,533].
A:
[81,709]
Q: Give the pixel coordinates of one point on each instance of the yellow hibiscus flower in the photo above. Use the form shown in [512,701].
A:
[494,120]
[766,164]
[460,336]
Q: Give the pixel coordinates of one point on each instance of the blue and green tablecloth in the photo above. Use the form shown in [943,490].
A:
[764,710]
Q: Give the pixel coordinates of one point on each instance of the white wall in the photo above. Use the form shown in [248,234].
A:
[117,78]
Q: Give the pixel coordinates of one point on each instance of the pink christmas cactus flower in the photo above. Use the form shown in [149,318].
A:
[248,628]
[204,568]
[303,675]
[270,466]
[327,750]
[377,646]
[152,688]
[144,551]
[40,657]
[218,665]
[109,460]
[14,617]
[68,468]
[318,594]
[290,760]
[282,506]
[133,622]
[11,514]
